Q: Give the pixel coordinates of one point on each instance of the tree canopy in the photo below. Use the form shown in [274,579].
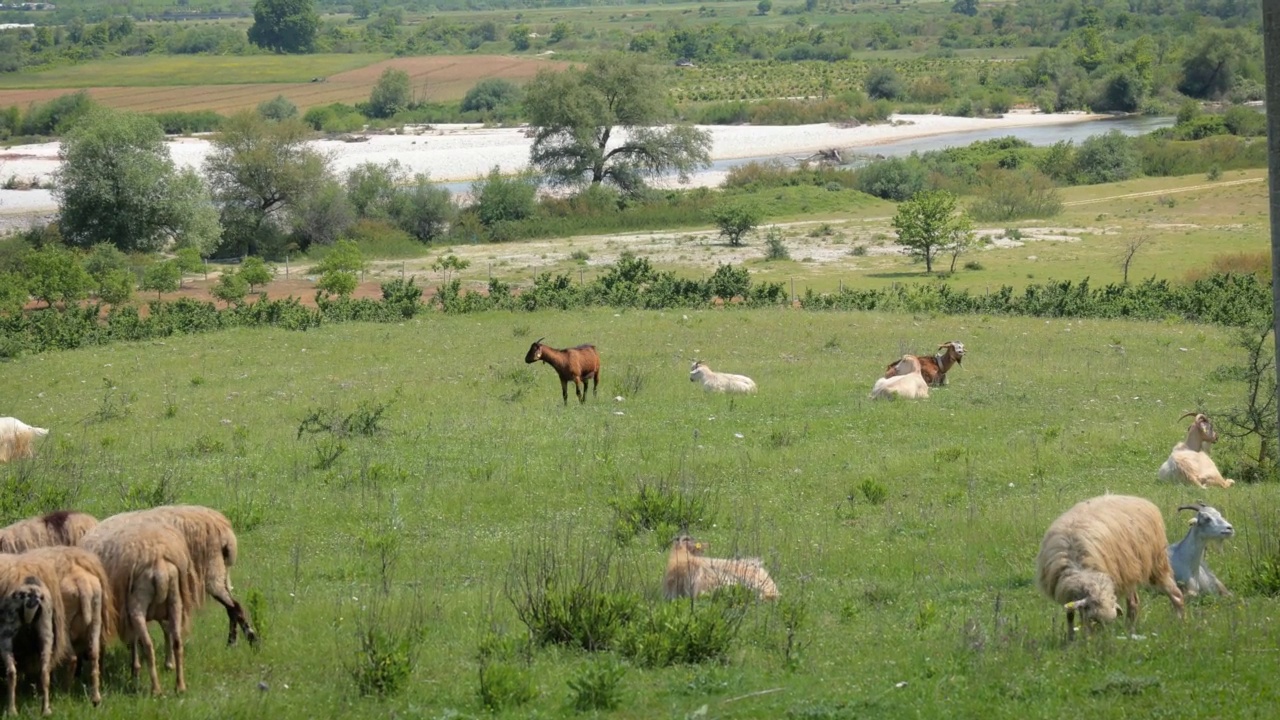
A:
[260,171]
[286,26]
[119,186]
[929,223]
[602,124]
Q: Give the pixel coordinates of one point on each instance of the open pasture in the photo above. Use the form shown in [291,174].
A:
[231,83]
[907,531]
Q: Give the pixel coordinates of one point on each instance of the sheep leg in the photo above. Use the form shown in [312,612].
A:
[11,672]
[235,614]
[173,638]
[1131,604]
[46,665]
[1170,588]
[95,654]
[142,641]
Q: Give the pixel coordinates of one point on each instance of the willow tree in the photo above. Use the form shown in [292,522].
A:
[606,124]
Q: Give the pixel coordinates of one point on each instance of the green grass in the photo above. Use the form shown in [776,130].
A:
[920,606]
[162,70]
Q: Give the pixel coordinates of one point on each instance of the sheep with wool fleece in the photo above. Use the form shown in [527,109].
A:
[88,604]
[212,545]
[1187,555]
[63,527]
[17,439]
[1189,460]
[713,381]
[1102,548]
[689,574]
[908,383]
[152,577]
[32,617]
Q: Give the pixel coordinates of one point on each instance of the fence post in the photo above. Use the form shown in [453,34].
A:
[401,271]
[206,267]
[286,266]
[793,289]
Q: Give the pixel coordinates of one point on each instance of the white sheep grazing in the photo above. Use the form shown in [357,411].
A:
[908,383]
[1187,555]
[16,439]
[689,574]
[1189,461]
[720,382]
[1102,548]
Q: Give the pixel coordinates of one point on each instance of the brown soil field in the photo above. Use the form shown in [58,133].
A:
[445,78]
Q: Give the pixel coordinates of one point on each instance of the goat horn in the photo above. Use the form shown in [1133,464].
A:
[1193,413]
[1194,507]
[539,340]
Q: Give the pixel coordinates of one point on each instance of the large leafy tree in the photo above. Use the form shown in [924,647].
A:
[119,186]
[928,223]
[287,26]
[601,124]
[261,171]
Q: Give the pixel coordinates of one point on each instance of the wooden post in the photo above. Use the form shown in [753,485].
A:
[286,266]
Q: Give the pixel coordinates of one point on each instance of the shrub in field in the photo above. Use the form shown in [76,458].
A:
[735,219]
[687,632]
[774,246]
[892,179]
[658,505]
[504,686]
[278,108]
[1014,195]
[388,640]
[579,598]
[231,288]
[365,420]
[597,687]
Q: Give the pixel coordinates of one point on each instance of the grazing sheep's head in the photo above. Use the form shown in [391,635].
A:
[23,605]
[1209,522]
[955,349]
[1203,425]
[1099,604]
[535,351]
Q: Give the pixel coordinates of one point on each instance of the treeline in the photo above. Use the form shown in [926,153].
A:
[1225,299]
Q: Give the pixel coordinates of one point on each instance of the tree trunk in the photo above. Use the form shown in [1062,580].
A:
[1271,52]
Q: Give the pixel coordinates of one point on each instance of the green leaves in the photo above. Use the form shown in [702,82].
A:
[928,222]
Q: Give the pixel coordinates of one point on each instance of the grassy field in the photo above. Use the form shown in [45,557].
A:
[230,83]
[906,532]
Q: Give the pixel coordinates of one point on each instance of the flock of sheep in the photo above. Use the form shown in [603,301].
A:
[1096,552]
[69,584]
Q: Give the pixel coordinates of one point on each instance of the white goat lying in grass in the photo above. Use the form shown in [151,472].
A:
[1187,555]
[1189,461]
[908,383]
[720,382]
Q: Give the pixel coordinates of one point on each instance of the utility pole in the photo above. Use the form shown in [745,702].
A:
[1271,53]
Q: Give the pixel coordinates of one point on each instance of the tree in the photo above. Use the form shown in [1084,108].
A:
[255,272]
[598,125]
[13,293]
[259,170]
[338,269]
[1107,158]
[285,26]
[54,273]
[231,288]
[491,94]
[499,198]
[962,241]
[519,37]
[1015,194]
[162,277]
[892,178]
[424,210]
[928,223]
[108,269]
[372,189]
[764,6]
[278,108]
[883,82]
[323,215]
[1210,70]
[735,219]
[448,265]
[965,7]
[1131,249]
[392,93]
[118,185]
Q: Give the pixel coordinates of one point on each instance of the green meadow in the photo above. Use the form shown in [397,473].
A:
[164,70]
[390,483]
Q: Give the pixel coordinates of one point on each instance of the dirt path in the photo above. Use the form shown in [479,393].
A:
[1154,193]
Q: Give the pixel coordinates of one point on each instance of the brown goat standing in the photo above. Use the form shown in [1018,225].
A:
[579,364]
[934,367]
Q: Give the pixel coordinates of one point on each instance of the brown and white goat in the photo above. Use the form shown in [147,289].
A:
[579,364]
[907,382]
[689,574]
[934,368]
[1189,460]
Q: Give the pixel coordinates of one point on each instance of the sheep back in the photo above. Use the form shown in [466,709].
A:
[82,576]
[139,555]
[1119,537]
[63,527]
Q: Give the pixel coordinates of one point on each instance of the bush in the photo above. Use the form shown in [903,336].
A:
[735,219]
[1106,158]
[491,95]
[688,632]
[895,179]
[597,687]
[883,82]
[1014,195]
[658,506]
[578,599]
[278,108]
[775,248]
[499,198]
[231,288]
[387,652]
[186,122]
